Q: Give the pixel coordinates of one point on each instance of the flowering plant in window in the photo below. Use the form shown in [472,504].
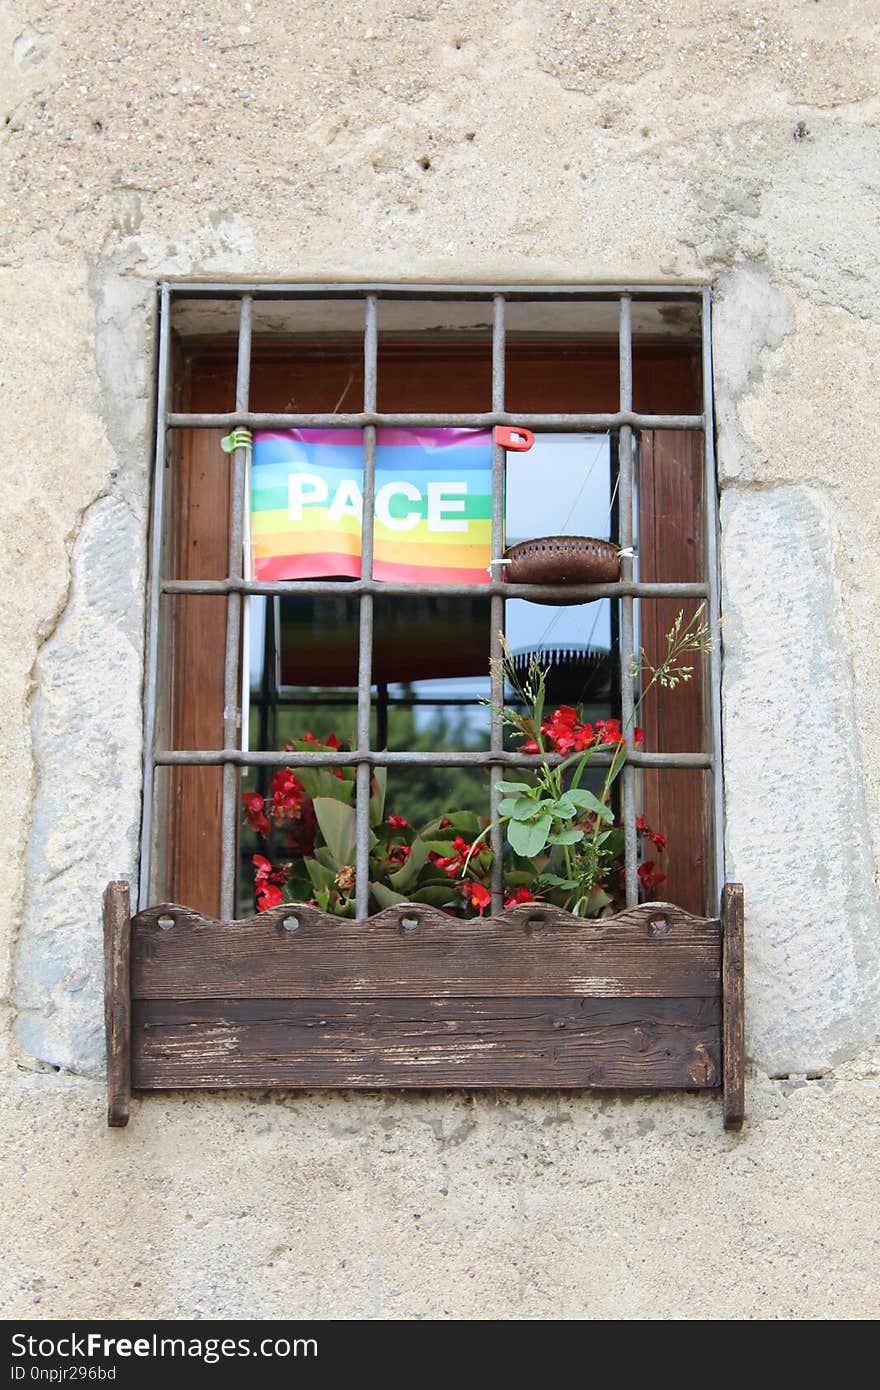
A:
[310,814]
[564,845]
[566,832]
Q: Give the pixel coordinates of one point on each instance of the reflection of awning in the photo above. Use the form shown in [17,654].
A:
[413,639]
[574,674]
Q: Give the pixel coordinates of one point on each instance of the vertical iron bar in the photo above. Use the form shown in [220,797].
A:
[627,699]
[231,688]
[710,491]
[496,617]
[157,528]
[365,635]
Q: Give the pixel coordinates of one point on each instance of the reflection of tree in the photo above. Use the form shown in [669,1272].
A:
[421,793]
[418,793]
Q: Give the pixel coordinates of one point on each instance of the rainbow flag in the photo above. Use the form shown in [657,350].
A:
[433,511]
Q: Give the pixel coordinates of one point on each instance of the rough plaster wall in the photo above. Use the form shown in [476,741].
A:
[612,141]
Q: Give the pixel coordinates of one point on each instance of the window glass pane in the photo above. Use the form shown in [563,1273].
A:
[562,486]
[423,794]
[576,645]
[430,673]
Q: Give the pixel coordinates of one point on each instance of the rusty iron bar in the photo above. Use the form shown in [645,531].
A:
[627,698]
[389,289]
[486,420]
[365,634]
[336,588]
[151,660]
[382,757]
[231,682]
[496,616]
[710,491]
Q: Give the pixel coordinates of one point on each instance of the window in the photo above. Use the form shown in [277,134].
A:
[614,382]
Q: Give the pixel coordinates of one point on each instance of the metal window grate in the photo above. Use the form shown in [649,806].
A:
[625,421]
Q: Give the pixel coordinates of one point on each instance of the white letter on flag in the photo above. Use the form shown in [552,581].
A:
[439,502]
[347,502]
[383,499]
[303,489]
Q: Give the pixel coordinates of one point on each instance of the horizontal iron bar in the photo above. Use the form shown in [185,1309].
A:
[252,420]
[347,589]
[196,289]
[383,758]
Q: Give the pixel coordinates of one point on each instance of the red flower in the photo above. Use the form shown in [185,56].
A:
[654,836]
[398,822]
[288,795]
[330,742]
[453,864]
[268,896]
[444,824]
[638,736]
[266,883]
[254,812]
[530,746]
[399,854]
[522,895]
[565,732]
[477,895]
[266,872]
[650,879]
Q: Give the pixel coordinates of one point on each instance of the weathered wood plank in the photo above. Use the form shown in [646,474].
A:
[733,986]
[117,1001]
[535,1042]
[655,950]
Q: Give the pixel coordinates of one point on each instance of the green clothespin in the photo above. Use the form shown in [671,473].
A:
[239,439]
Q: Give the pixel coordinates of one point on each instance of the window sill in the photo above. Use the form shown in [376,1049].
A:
[533,997]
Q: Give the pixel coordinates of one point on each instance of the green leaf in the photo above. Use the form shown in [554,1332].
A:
[554,881]
[528,838]
[562,809]
[377,799]
[596,900]
[436,894]
[385,896]
[586,801]
[337,824]
[567,837]
[405,877]
[519,807]
[319,781]
[320,875]
[516,788]
[438,846]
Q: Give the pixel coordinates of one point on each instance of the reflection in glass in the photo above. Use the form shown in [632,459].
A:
[563,486]
[576,645]
[430,676]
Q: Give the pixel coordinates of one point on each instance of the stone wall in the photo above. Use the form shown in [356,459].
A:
[642,140]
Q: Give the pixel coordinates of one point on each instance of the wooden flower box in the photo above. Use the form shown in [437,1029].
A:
[292,998]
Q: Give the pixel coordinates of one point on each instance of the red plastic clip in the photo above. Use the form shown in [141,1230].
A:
[514,437]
